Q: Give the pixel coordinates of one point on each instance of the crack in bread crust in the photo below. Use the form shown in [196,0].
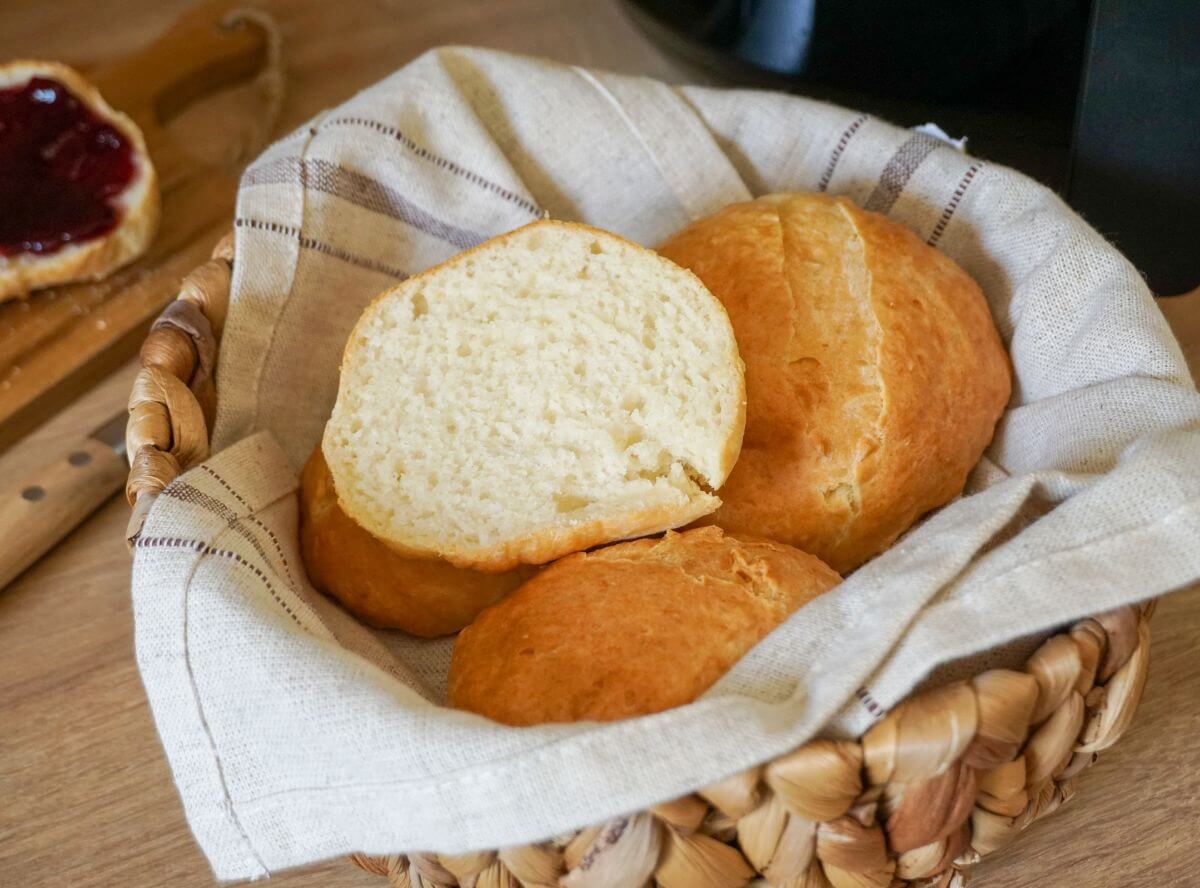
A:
[875,374]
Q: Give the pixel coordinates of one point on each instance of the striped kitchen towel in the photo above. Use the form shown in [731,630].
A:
[295,733]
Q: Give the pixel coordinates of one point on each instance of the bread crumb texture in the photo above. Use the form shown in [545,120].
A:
[551,390]
[422,595]
[629,629]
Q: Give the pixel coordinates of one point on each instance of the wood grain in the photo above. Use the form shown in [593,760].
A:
[86,798]
[40,508]
[55,349]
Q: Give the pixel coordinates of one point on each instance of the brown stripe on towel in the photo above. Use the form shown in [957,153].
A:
[202,548]
[249,512]
[436,160]
[870,703]
[309,243]
[898,170]
[840,147]
[955,200]
[187,493]
[362,190]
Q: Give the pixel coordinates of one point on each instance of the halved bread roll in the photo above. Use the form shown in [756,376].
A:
[35,155]
[422,596]
[550,390]
[874,373]
[629,629]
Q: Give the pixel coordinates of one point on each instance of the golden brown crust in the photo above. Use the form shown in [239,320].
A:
[554,542]
[629,629]
[383,588]
[874,373]
[99,257]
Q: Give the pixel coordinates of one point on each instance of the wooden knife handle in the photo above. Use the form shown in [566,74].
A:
[43,507]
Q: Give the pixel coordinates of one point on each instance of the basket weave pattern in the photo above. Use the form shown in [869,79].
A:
[946,777]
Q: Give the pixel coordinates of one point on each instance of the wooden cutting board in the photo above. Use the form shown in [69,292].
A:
[62,340]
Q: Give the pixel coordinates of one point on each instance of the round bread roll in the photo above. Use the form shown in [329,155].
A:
[629,629]
[424,596]
[552,389]
[874,373]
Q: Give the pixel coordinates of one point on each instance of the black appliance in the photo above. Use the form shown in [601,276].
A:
[1099,99]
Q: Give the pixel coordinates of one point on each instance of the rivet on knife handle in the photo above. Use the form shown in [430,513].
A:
[40,509]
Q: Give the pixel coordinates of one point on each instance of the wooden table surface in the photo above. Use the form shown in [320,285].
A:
[85,795]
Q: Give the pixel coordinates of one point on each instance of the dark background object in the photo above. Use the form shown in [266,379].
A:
[1135,161]
[1006,73]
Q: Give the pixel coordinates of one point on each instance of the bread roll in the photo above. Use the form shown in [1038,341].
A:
[136,205]
[629,629]
[874,372]
[383,588]
[550,390]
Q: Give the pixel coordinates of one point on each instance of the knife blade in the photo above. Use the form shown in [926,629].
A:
[43,507]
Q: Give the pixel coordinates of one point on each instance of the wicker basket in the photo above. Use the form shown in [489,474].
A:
[944,778]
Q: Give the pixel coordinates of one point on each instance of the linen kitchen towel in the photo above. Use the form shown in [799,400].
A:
[296,734]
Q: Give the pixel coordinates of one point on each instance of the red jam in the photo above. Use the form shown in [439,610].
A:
[60,167]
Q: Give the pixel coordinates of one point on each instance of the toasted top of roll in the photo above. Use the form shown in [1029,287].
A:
[874,372]
[629,629]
